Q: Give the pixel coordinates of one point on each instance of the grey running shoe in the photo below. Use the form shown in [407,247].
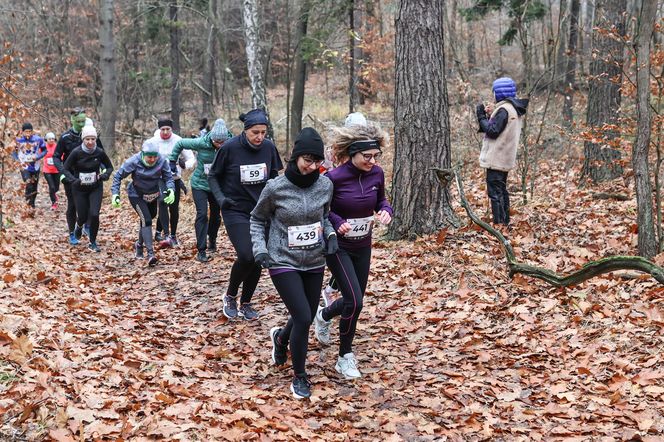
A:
[230,307]
[321,327]
[279,351]
[201,256]
[247,312]
[347,366]
[152,260]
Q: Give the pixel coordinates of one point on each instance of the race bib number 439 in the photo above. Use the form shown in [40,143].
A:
[305,237]
[253,173]
[360,227]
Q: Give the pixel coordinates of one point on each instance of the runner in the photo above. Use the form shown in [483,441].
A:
[85,169]
[148,171]
[359,191]
[69,141]
[237,177]
[206,147]
[165,139]
[50,171]
[30,148]
[294,207]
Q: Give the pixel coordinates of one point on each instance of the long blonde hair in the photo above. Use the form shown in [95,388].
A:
[343,137]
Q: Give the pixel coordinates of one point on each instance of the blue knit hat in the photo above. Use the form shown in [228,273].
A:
[254,117]
[503,88]
[219,131]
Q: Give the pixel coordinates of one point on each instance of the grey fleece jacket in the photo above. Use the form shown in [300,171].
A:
[281,205]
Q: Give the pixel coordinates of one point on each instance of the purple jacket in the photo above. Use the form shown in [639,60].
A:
[356,194]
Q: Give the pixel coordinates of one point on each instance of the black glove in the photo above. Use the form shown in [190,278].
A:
[263,259]
[174,167]
[227,203]
[480,112]
[76,182]
[332,245]
[103,177]
[182,186]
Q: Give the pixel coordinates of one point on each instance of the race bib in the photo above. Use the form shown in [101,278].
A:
[149,197]
[49,161]
[305,237]
[88,178]
[253,173]
[360,227]
[206,168]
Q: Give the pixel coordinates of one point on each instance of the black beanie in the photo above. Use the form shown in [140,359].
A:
[308,142]
[254,117]
[164,122]
[26,126]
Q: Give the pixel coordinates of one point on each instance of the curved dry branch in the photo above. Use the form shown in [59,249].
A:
[588,271]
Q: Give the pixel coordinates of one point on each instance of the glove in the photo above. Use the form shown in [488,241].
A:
[170,197]
[174,167]
[227,203]
[115,201]
[332,245]
[183,187]
[62,178]
[263,259]
[480,111]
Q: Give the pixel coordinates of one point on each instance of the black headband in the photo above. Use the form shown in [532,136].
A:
[359,146]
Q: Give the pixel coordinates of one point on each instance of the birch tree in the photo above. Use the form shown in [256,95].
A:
[252,47]
[108,76]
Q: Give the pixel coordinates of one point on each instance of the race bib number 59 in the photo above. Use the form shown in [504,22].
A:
[253,173]
[305,237]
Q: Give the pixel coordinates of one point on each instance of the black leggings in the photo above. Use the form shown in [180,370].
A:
[496,186]
[203,228]
[71,208]
[245,271]
[350,269]
[146,211]
[300,291]
[88,206]
[169,214]
[53,180]
[31,180]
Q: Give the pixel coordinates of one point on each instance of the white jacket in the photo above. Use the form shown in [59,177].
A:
[166,147]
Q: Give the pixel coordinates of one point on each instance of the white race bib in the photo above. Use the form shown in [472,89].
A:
[49,161]
[206,168]
[360,227]
[88,178]
[253,173]
[305,237]
[149,197]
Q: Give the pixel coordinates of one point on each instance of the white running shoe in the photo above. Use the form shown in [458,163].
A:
[327,294]
[321,327]
[347,366]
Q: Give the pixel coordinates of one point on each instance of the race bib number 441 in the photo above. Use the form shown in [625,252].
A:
[305,237]
[253,173]
[360,227]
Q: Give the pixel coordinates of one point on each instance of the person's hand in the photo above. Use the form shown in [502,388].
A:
[263,259]
[115,201]
[332,244]
[480,111]
[170,197]
[489,108]
[383,217]
[228,203]
[344,228]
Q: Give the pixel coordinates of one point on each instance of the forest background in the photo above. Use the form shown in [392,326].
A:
[451,345]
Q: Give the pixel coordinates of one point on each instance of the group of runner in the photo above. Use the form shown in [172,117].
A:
[293,224]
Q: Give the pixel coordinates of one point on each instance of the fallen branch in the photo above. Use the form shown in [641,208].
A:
[588,271]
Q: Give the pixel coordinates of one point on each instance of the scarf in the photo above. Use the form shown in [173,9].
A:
[294,176]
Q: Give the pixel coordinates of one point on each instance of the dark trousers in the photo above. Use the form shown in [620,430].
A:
[245,271]
[71,208]
[88,206]
[169,214]
[53,180]
[496,185]
[31,180]
[350,270]
[205,229]
[146,213]
[300,292]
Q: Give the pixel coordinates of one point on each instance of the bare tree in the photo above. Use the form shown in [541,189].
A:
[570,70]
[176,100]
[300,74]
[252,47]
[421,117]
[108,77]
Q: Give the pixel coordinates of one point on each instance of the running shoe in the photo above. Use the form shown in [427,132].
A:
[212,246]
[230,307]
[347,366]
[78,231]
[152,260]
[322,327]
[174,241]
[85,230]
[279,351]
[247,312]
[301,387]
[201,256]
[158,236]
[138,250]
[94,247]
[72,239]
[166,243]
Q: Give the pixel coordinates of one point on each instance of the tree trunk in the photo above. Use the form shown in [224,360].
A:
[209,59]
[570,70]
[602,162]
[254,62]
[647,242]
[175,66]
[422,124]
[300,74]
[561,61]
[354,96]
[108,78]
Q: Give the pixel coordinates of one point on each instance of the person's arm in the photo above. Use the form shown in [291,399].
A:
[277,165]
[167,176]
[59,153]
[216,171]
[494,126]
[106,161]
[260,217]
[41,150]
[125,170]
[67,170]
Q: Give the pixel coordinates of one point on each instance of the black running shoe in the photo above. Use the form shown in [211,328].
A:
[279,351]
[152,260]
[301,387]
[201,256]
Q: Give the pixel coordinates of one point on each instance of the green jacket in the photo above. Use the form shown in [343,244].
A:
[206,153]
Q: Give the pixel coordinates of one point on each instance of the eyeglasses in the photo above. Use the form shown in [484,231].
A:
[308,161]
[369,156]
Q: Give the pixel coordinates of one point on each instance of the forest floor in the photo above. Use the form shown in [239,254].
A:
[101,347]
